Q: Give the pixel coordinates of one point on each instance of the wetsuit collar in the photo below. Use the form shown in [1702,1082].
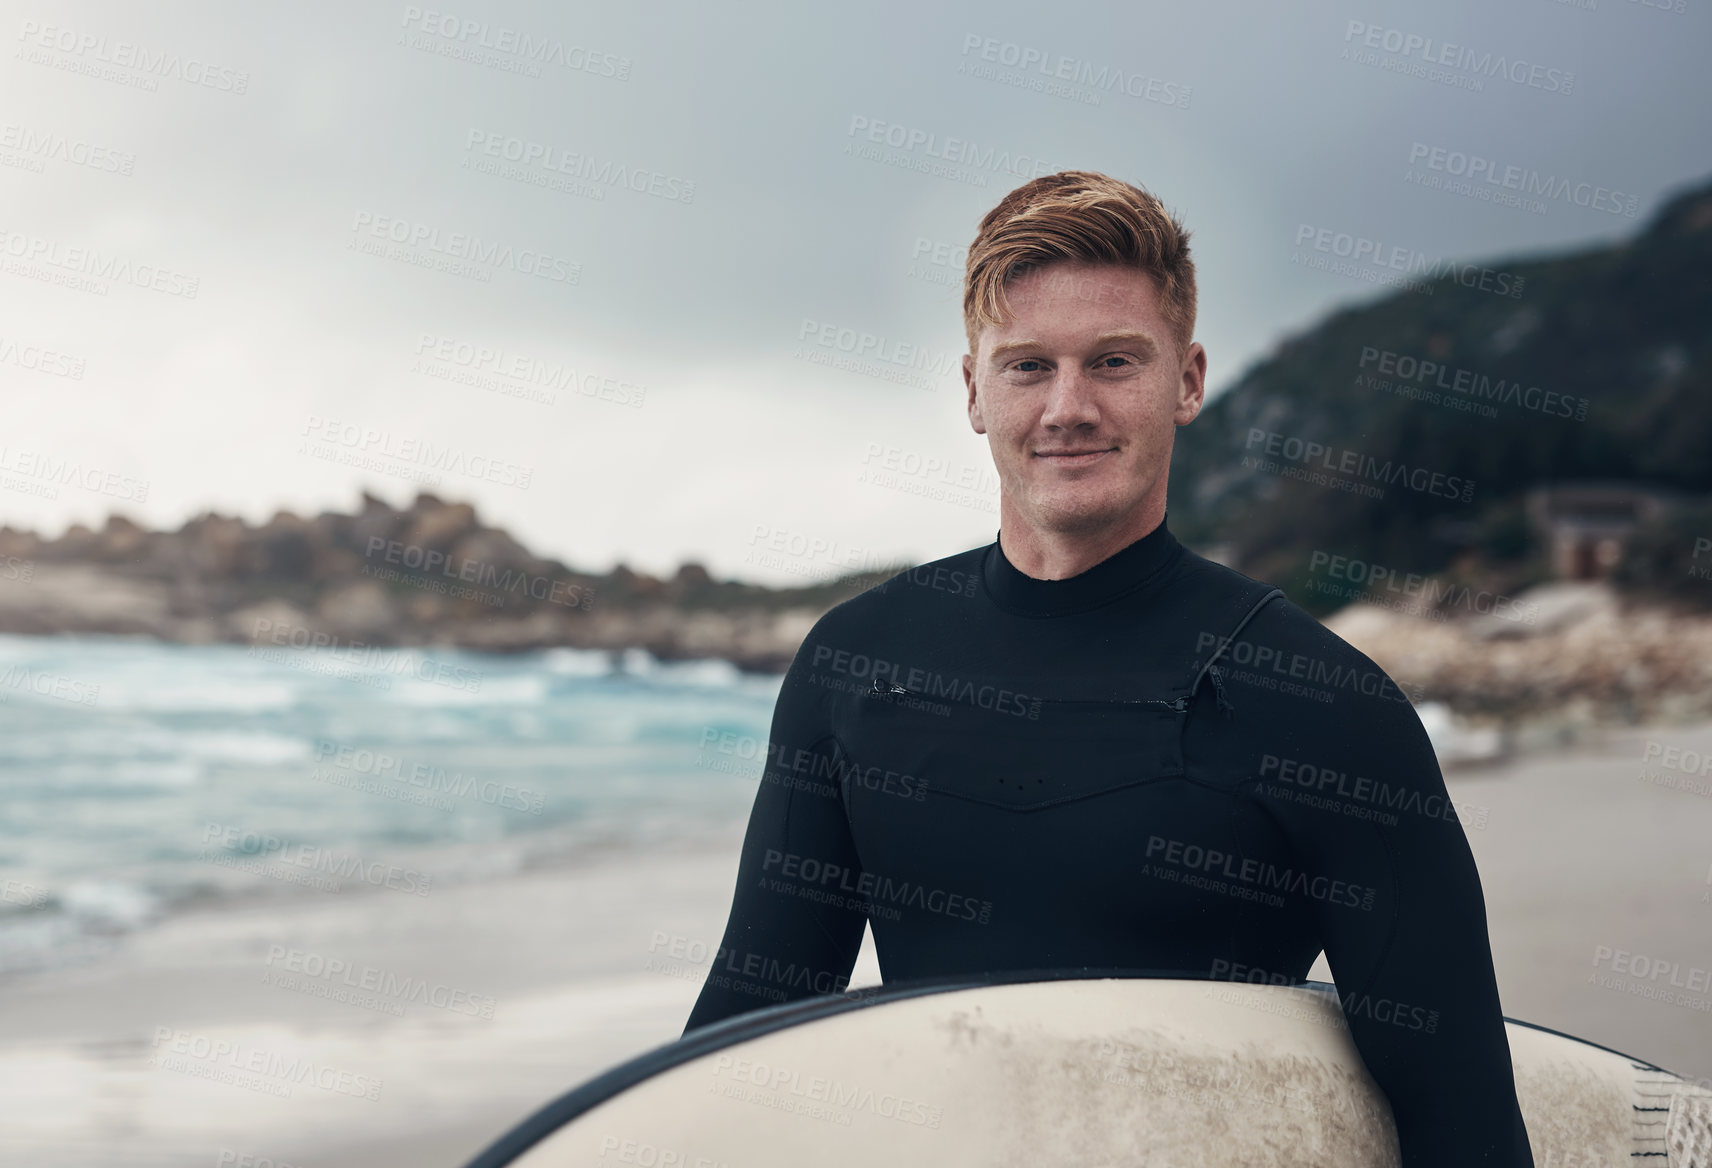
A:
[1119,573]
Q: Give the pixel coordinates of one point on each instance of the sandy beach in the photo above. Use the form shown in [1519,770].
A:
[160,1054]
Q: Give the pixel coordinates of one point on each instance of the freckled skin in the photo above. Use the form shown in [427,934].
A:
[1074,390]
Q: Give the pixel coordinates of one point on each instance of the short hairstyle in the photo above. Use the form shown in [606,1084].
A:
[1078,215]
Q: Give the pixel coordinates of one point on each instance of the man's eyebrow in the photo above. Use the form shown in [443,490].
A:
[1142,340]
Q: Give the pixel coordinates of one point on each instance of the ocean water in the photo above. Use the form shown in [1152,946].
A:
[140,779]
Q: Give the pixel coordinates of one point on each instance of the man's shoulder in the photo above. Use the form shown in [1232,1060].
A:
[1285,643]
[1274,614]
[1323,695]
[1221,594]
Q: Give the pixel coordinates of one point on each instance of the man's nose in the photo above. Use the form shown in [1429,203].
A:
[1070,399]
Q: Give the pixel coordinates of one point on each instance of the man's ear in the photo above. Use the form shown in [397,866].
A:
[975,418]
[1191,386]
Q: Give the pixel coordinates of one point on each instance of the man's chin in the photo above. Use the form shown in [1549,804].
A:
[1078,513]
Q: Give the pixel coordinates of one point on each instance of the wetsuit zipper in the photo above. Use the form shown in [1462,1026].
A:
[884,688]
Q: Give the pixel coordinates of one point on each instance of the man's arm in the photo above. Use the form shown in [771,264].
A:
[791,933]
[1414,970]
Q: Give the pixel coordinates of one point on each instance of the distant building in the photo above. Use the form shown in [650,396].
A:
[1586,526]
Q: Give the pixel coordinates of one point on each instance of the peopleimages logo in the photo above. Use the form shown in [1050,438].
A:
[1386,1010]
[1376,254]
[804,554]
[472,250]
[247,1066]
[804,770]
[46,144]
[959,151]
[349,976]
[877,891]
[1422,372]
[389,444]
[1372,582]
[1378,792]
[925,683]
[435,779]
[1267,660]
[847,1097]
[874,347]
[517,375]
[1475,168]
[1643,973]
[1690,767]
[1358,465]
[51,471]
[1074,71]
[224,842]
[96,48]
[1408,48]
[48,684]
[530,48]
[558,160]
[89,269]
[1260,873]
[430,561]
[41,360]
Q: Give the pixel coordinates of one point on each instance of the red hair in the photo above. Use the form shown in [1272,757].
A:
[1078,215]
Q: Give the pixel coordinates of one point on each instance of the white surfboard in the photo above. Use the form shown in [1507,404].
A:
[1073,1073]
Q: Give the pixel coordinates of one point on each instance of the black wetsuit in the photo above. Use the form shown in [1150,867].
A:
[1157,764]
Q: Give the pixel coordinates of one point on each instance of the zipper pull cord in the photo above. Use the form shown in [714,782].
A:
[1221,702]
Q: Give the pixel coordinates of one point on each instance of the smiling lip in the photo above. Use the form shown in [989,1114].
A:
[1074,457]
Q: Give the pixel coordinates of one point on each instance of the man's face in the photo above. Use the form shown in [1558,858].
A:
[1080,394]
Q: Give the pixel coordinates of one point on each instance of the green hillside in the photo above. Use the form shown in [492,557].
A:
[1600,370]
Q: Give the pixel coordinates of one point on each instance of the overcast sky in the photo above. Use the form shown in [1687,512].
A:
[657,387]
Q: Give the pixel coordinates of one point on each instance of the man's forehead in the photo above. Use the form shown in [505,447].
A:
[1104,303]
[1077,285]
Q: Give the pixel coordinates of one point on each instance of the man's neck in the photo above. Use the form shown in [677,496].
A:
[1058,555]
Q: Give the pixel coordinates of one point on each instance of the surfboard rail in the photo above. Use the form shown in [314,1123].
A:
[1671,1119]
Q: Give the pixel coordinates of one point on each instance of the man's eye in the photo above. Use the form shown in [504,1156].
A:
[1025,361]
[1114,358]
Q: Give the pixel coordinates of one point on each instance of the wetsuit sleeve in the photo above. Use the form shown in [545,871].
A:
[1401,913]
[792,932]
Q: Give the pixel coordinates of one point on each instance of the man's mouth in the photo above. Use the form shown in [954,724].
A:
[1080,456]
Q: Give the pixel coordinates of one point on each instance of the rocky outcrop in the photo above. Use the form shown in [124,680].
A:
[1586,653]
[434,575]
[431,574]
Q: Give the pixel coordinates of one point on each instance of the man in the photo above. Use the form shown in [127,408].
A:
[1085,747]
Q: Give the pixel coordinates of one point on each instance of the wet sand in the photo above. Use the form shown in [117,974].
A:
[1581,856]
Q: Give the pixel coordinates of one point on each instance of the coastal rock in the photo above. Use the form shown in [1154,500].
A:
[437,525]
[1546,609]
[48,598]
[267,620]
[428,574]
[506,636]
[282,550]
[360,611]
[1627,664]
[1561,646]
